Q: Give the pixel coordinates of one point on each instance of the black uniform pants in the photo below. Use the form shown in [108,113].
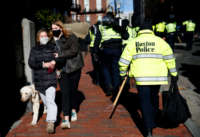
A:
[160,34]
[110,58]
[171,39]
[188,40]
[149,103]
[69,85]
[96,69]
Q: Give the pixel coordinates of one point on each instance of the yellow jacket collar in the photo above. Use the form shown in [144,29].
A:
[145,31]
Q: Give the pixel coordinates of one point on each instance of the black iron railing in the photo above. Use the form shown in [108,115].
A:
[92,11]
[75,7]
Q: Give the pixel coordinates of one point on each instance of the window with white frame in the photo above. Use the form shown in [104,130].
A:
[78,18]
[74,17]
[99,18]
[87,4]
[87,18]
[98,4]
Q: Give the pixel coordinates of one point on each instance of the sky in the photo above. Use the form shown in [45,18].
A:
[126,5]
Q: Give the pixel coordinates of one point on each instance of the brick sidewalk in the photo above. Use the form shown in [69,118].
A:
[93,116]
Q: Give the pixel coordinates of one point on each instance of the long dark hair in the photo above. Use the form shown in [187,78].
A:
[61,25]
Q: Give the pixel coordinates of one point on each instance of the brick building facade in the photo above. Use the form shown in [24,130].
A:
[90,10]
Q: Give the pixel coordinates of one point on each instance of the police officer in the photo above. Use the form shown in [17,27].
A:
[95,61]
[108,42]
[160,29]
[189,32]
[132,31]
[171,32]
[149,58]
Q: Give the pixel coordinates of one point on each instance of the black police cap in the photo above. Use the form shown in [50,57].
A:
[146,25]
[125,22]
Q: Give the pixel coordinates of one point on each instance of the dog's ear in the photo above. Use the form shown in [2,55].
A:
[32,86]
[34,92]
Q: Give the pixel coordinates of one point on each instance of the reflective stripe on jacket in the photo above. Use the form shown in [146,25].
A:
[92,38]
[109,37]
[149,57]
[132,34]
[108,33]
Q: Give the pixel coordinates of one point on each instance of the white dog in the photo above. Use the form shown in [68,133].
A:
[29,92]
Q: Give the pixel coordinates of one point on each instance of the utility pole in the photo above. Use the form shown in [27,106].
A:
[139,12]
[142,9]
[115,4]
[118,7]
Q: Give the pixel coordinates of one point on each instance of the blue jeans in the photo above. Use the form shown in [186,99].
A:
[188,39]
[110,68]
[49,101]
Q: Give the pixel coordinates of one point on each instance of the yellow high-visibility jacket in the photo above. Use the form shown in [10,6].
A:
[171,27]
[132,34]
[149,57]
[108,33]
[160,27]
[190,26]
[92,38]
[153,27]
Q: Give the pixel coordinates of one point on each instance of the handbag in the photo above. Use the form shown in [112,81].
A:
[175,108]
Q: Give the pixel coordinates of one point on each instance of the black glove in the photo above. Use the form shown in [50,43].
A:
[174,79]
[123,77]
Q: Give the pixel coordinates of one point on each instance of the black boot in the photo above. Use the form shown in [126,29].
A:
[109,90]
[108,93]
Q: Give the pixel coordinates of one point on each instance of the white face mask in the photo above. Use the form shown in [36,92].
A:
[44,40]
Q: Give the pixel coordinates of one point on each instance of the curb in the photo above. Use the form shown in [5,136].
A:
[15,125]
[192,127]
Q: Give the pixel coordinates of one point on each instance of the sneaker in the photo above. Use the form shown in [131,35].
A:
[74,116]
[50,128]
[65,124]
[149,133]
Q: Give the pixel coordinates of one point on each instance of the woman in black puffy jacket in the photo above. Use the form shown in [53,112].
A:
[44,75]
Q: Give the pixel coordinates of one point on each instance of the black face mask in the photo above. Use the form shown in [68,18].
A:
[56,33]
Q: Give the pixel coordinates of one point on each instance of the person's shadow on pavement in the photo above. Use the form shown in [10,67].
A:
[99,82]
[131,103]
[191,72]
